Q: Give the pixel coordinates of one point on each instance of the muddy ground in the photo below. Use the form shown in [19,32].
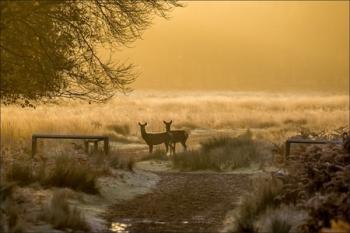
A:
[181,202]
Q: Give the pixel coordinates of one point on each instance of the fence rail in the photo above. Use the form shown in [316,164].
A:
[87,139]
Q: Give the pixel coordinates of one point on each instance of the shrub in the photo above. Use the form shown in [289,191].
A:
[62,216]
[280,226]
[254,204]
[10,218]
[69,173]
[20,172]
[118,162]
[220,154]
[195,160]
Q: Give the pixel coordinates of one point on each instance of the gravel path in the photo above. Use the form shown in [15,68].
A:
[181,202]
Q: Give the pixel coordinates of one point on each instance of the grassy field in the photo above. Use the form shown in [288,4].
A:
[191,110]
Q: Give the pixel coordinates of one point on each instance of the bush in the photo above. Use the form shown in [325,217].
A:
[69,173]
[62,216]
[220,154]
[20,172]
[195,160]
[10,211]
[118,162]
[254,204]
[280,226]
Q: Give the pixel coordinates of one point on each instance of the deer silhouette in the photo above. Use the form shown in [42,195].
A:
[155,138]
[176,136]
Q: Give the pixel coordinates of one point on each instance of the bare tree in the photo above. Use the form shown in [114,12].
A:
[49,48]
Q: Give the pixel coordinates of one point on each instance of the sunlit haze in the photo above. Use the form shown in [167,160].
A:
[242,46]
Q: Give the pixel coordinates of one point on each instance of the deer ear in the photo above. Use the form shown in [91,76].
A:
[139,124]
[145,124]
[164,122]
[171,121]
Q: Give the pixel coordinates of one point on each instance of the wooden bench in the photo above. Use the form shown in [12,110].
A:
[87,139]
[290,141]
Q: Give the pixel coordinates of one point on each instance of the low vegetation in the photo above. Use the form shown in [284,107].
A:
[117,161]
[224,153]
[156,155]
[20,172]
[10,219]
[69,173]
[316,186]
[255,204]
[62,216]
[65,172]
[319,181]
[280,226]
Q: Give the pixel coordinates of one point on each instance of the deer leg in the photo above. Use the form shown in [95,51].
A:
[174,147]
[150,149]
[166,148]
[184,145]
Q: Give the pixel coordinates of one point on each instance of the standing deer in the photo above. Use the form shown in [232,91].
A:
[176,136]
[155,138]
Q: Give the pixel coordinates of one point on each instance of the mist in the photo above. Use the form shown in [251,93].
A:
[244,46]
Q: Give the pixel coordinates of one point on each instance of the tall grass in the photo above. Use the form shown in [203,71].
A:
[10,211]
[69,173]
[256,203]
[62,216]
[121,162]
[190,110]
[20,172]
[65,172]
[220,154]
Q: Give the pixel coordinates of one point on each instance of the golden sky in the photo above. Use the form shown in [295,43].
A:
[233,45]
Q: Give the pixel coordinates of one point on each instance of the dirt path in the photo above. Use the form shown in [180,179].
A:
[181,202]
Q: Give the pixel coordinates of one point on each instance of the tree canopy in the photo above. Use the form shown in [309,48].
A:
[49,48]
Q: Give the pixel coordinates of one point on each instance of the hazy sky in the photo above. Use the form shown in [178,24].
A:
[250,45]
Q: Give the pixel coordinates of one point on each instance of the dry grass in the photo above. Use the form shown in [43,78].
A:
[190,110]
[62,216]
[118,161]
[280,226]
[255,204]
[67,172]
[156,155]
[223,153]
[10,217]
[20,172]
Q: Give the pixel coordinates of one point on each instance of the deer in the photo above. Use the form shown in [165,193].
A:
[176,136]
[155,138]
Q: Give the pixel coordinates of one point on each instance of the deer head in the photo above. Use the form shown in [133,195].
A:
[143,127]
[168,125]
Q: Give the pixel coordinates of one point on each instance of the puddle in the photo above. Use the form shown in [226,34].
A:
[125,225]
[119,227]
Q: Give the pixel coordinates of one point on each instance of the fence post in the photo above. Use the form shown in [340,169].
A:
[34,139]
[86,146]
[95,146]
[286,155]
[106,145]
